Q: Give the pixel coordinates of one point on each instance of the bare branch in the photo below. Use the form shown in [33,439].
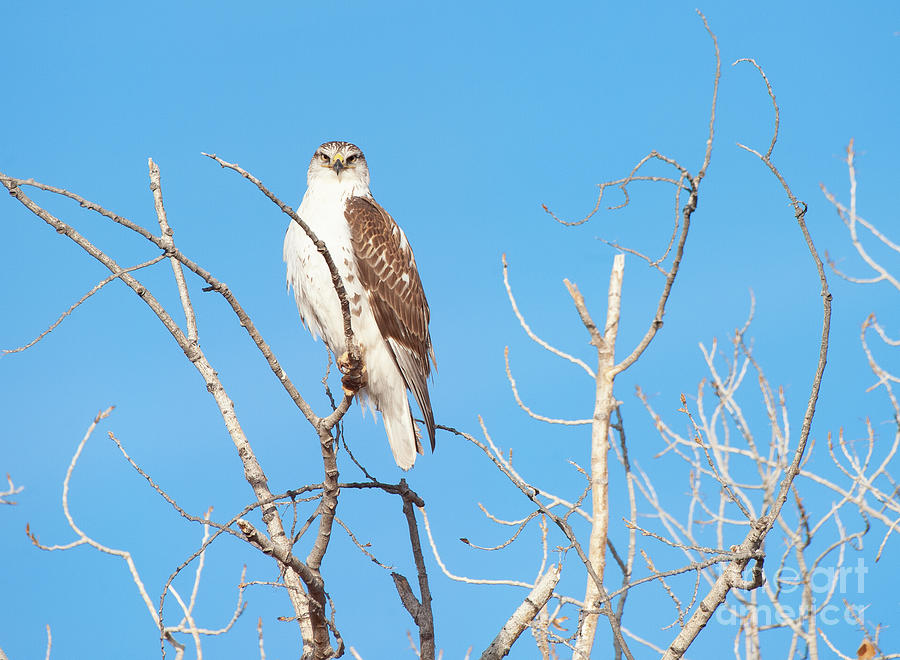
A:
[460,578]
[800,214]
[167,234]
[529,411]
[530,333]
[507,542]
[604,403]
[314,626]
[83,538]
[687,213]
[534,601]
[11,490]
[188,624]
[259,634]
[359,545]
[423,616]
[731,576]
[533,494]
[712,111]
[771,96]
[851,219]
[622,184]
[320,247]
[14,185]
[102,283]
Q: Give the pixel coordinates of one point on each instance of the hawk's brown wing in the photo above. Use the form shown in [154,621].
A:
[387,270]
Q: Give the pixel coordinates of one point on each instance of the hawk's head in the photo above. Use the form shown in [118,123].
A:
[339,162]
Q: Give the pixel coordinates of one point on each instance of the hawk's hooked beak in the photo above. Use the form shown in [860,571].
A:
[338,164]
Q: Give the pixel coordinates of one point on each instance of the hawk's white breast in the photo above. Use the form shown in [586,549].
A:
[323,210]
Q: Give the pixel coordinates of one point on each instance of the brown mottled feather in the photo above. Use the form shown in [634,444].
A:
[400,308]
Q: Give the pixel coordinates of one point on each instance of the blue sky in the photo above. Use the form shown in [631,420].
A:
[471,117]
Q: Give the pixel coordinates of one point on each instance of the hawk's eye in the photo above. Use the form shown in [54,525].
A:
[351,158]
[324,157]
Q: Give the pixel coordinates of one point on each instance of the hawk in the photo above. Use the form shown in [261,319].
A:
[389,312]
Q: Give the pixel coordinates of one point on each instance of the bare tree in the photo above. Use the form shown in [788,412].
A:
[748,485]
[302,579]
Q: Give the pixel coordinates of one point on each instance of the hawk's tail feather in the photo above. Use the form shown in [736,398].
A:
[415,377]
[401,432]
[424,402]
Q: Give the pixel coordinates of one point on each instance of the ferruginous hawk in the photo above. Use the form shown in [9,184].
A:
[388,309]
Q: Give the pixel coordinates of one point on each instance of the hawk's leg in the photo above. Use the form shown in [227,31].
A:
[355,375]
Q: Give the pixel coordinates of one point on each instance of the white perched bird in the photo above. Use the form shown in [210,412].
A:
[389,312]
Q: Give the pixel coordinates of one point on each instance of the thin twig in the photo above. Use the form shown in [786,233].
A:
[78,302]
[167,236]
[530,332]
